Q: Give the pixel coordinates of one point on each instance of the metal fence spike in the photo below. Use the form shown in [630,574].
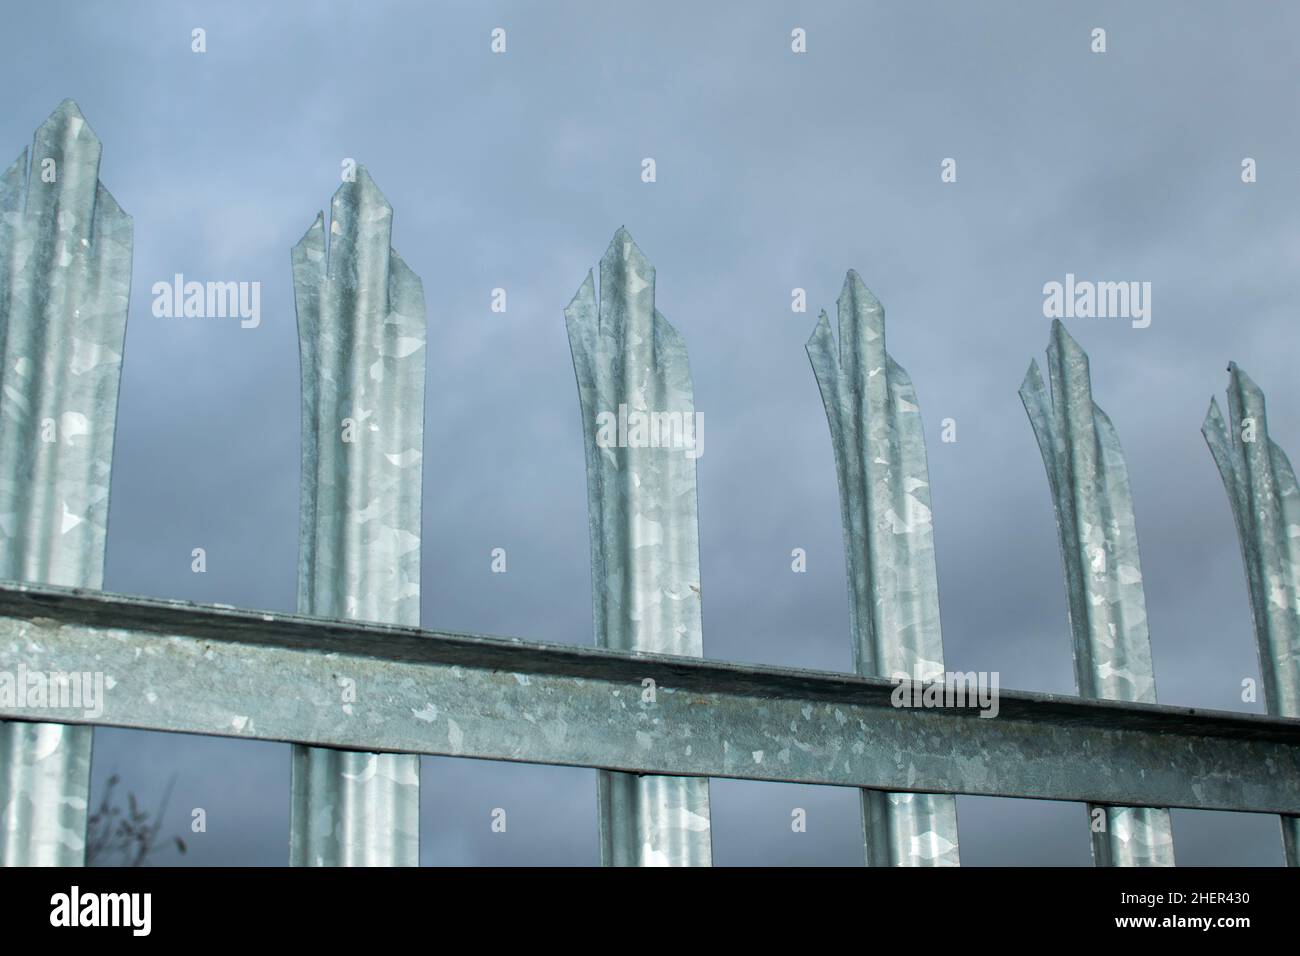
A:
[361,328]
[645,569]
[1107,605]
[65,281]
[884,482]
[1265,501]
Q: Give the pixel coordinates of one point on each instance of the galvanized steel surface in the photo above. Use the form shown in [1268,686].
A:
[65,279]
[645,565]
[361,328]
[270,677]
[356,689]
[1265,503]
[884,482]
[1103,575]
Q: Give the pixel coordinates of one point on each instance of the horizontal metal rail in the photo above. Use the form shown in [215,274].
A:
[174,666]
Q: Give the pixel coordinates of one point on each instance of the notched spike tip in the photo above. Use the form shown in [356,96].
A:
[13,183]
[623,248]
[360,194]
[1213,420]
[1032,383]
[856,291]
[1060,340]
[822,338]
[1245,400]
[580,306]
[1214,429]
[900,381]
[67,112]
[1242,382]
[66,128]
[858,305]
[315,233]
[627,286]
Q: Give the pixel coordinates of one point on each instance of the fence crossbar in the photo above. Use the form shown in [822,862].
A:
[175,666]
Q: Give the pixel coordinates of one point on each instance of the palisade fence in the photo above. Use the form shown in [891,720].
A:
[642,708]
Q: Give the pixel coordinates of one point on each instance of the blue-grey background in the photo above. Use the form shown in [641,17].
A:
[775,171]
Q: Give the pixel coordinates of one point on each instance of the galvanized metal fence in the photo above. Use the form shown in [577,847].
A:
[641,707]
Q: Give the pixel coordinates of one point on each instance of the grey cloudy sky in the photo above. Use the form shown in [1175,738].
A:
[775,171]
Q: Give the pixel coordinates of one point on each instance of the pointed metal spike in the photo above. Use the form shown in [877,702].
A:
[880,460]
[862,332]
[644,534]
[362,335]
[1265,501]
[627,292]
[65,275]
[1089,485]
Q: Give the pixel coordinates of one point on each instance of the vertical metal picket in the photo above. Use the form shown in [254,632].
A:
[1265,502]
[65,283]
[645,569]
[361,328]
[884,484]
[1103,575]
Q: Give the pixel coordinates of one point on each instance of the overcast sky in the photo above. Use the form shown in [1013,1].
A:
[774,171]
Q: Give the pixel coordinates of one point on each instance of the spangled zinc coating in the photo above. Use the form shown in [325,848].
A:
[1265,502]
[645,565]
[269,676]
[361,329]
[1103,575]
[884,484]
[65,281]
